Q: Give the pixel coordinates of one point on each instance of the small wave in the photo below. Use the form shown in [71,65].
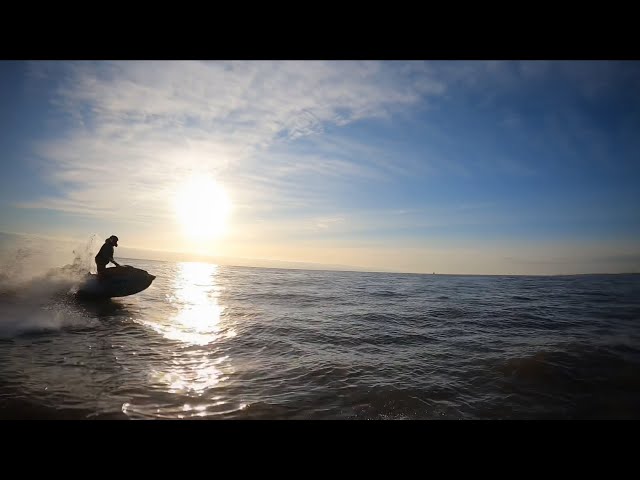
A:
[298,297]
[579,369]
[20,319]
[449,313]
[387,293]
[22,409]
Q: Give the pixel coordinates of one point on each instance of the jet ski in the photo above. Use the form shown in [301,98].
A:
[115,282]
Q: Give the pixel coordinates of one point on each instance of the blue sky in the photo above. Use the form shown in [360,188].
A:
[455,167]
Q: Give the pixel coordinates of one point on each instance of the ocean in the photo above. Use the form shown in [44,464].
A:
[210,341]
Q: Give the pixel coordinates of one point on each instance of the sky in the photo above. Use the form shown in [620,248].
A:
[480,167]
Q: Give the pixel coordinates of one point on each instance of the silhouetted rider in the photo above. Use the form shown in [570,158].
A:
[105,255]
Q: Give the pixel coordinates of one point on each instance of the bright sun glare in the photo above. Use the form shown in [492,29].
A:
[202,207]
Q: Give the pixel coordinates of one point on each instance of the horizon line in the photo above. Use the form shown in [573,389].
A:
[393,272]
[297,265]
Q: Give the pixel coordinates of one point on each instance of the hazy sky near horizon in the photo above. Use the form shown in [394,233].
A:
[447,166]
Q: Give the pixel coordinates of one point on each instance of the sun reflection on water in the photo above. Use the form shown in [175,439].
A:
[196,321]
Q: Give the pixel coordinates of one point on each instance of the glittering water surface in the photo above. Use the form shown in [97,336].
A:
[208,341]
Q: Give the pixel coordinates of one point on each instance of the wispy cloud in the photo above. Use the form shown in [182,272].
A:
[140,127]
[280,137]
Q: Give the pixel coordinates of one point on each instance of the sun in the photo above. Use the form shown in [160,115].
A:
[202,207]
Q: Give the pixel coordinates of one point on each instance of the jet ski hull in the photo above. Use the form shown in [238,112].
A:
[115,282]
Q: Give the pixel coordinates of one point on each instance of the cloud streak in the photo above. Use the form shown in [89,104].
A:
[139,128]
[311,150]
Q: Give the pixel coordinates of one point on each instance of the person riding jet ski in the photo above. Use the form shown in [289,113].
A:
[105,255]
